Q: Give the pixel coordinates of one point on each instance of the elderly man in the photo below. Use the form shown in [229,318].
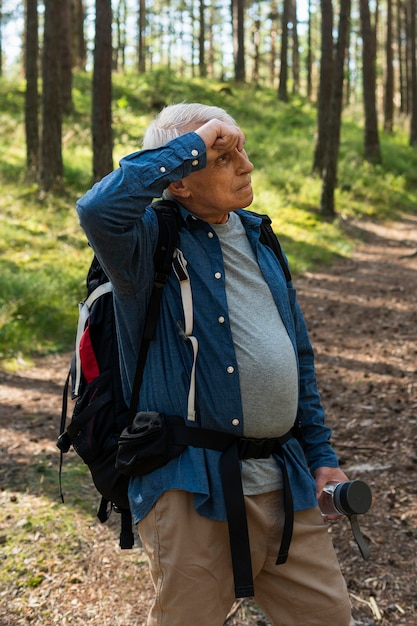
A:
[253,368]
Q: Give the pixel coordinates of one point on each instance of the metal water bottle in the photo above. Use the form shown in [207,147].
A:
[346,498]
[350,498]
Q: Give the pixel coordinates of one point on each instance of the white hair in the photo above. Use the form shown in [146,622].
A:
[177,119]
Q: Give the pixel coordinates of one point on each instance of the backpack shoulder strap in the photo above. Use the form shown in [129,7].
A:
[269,238]
[169,223]
[169,220]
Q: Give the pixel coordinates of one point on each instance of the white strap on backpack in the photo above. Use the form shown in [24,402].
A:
[180,268]
[84,312]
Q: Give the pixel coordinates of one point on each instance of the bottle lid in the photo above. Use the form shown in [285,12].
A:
[353,497]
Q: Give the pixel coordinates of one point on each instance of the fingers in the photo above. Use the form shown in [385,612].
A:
[331,519]
[325,475]
[221,137]
[231,137]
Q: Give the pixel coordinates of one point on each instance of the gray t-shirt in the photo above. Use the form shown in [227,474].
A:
[265,355]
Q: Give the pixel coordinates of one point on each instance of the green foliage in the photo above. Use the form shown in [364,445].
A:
[42,258]
[43,253]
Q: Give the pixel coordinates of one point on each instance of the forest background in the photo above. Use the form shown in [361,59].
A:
[328,103]
[328,106]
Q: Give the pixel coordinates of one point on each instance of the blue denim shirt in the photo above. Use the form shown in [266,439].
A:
[122,230]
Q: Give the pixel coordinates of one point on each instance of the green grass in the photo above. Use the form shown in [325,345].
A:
[38,534]
[43,253]
[39,524]
[43,257]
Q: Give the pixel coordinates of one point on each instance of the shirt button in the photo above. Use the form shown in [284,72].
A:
[235,422]
[195,162]
[230,369]
[217,275]
[194,152]
[210,234]
[162,169]
[220,319]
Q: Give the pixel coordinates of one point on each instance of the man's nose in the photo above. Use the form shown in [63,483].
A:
[244,164]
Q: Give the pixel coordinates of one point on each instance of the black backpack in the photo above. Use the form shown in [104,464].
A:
[100,412]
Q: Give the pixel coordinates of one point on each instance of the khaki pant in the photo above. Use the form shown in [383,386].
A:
[191,567]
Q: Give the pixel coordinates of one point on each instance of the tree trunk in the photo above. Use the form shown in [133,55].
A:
[201,42]
[372,150]
[238,27]
[51,169]
[389,78]
[211,44]
[325,86]
[309,60]
[1,39]
[66,57]
[350,63]
[273,37]
[78,39]
[327,207]
[295,46]
[31,93]
[256,38]
[141,37]
[119,57]
[102,92]
[413,87]
[401,57]
[283,72]
[407,55]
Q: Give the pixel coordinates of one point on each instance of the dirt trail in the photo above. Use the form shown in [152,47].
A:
[362,316]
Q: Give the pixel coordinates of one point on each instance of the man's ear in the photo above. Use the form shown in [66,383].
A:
[179,189]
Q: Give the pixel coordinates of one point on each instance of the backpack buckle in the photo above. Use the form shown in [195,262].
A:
[252,448]
[64,442]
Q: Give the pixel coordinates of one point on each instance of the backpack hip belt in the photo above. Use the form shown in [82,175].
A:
[233,450]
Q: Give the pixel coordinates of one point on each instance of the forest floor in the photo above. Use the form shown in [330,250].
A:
[362,317]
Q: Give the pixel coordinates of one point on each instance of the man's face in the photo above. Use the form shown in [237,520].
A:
[224,185]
